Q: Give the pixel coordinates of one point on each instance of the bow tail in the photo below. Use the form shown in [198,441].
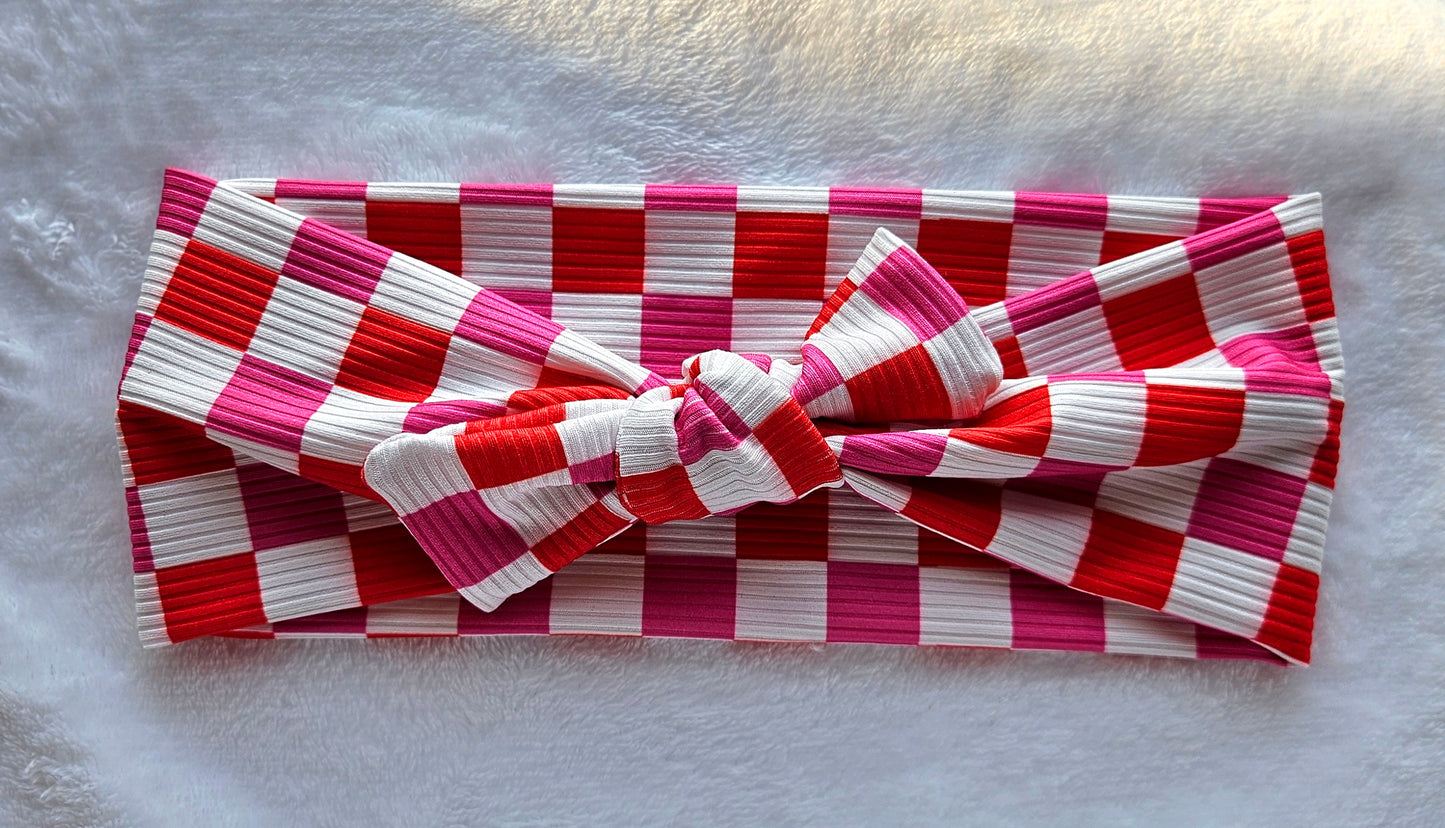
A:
[1195,492]
[300,348]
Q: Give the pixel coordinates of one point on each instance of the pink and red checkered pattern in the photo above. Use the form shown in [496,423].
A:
[1152,475]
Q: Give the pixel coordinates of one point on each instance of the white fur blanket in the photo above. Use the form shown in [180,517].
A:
[1143,97]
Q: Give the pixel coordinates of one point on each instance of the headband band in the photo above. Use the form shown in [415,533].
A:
[1024,420]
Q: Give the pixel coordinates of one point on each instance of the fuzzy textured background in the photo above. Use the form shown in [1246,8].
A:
[1125,96]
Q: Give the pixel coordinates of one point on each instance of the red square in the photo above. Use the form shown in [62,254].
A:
[393,358]
[791,439]
[660,496]
[1187,424]
[1311,273]
[161,447]
[1160,325]
[1129,560]
[796,531]
[210,596]
[780,255]
[390,566]
[965,510]
[428,231]
[1327,458]
[501,456]
[971,255]
[936,550]
[1289,621]
[1022,424]
[906,386]
[1012,358]
[1119,245]
[598,250]
[216,295]
[594,525]
[347,477]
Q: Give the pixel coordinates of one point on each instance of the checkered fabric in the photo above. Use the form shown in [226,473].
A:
[1128,445]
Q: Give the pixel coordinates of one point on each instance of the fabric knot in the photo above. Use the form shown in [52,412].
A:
[729,436]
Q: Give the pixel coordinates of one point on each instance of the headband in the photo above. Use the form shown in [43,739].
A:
[782,414]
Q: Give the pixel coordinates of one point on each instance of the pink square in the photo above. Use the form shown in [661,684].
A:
[139,538]
[875,603]
[1048,616]
[282,509]
[343,190]
[507,328]
[347,621]
[1249,234]
[183,199]
[677,327]
[879,202]
[690,596]
[335,261]
[526,613]
[1246,507]
[1217,212]
[715,199]
[1057,301]
[1212,643]
[513,195]
[267,404]
[465,539]
[1074,211]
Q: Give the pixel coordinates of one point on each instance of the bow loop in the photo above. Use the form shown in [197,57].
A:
[895,342]
[729,437]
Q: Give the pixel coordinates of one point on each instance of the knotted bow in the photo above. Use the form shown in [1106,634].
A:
[1194,479]
[507,501]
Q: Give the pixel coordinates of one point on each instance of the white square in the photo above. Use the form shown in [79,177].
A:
[1042,535]
[178,372]
[349,424]
[417,291]
[243,226]
[1081,343]
[165,254]
[848,237]
[775,327]
[1151,267]
[1247,290]
[964,204]
[782,600]
[1162,496]
[964,606]
[862,532]
[715,536]
[346,215]
[689,253]
[1152,215]
[1133,630]
[306,329]
[1040,256]
[307,578]
[476,372]
[429,615]
[612,320]
[1221,587]
[599,593]
[363,514]
[1097,422]
[507,246]
[441,193]
[195,518]
[1305,548]
[783,199]
[602,196]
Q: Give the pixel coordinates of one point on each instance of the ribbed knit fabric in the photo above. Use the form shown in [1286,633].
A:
[1027,420]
